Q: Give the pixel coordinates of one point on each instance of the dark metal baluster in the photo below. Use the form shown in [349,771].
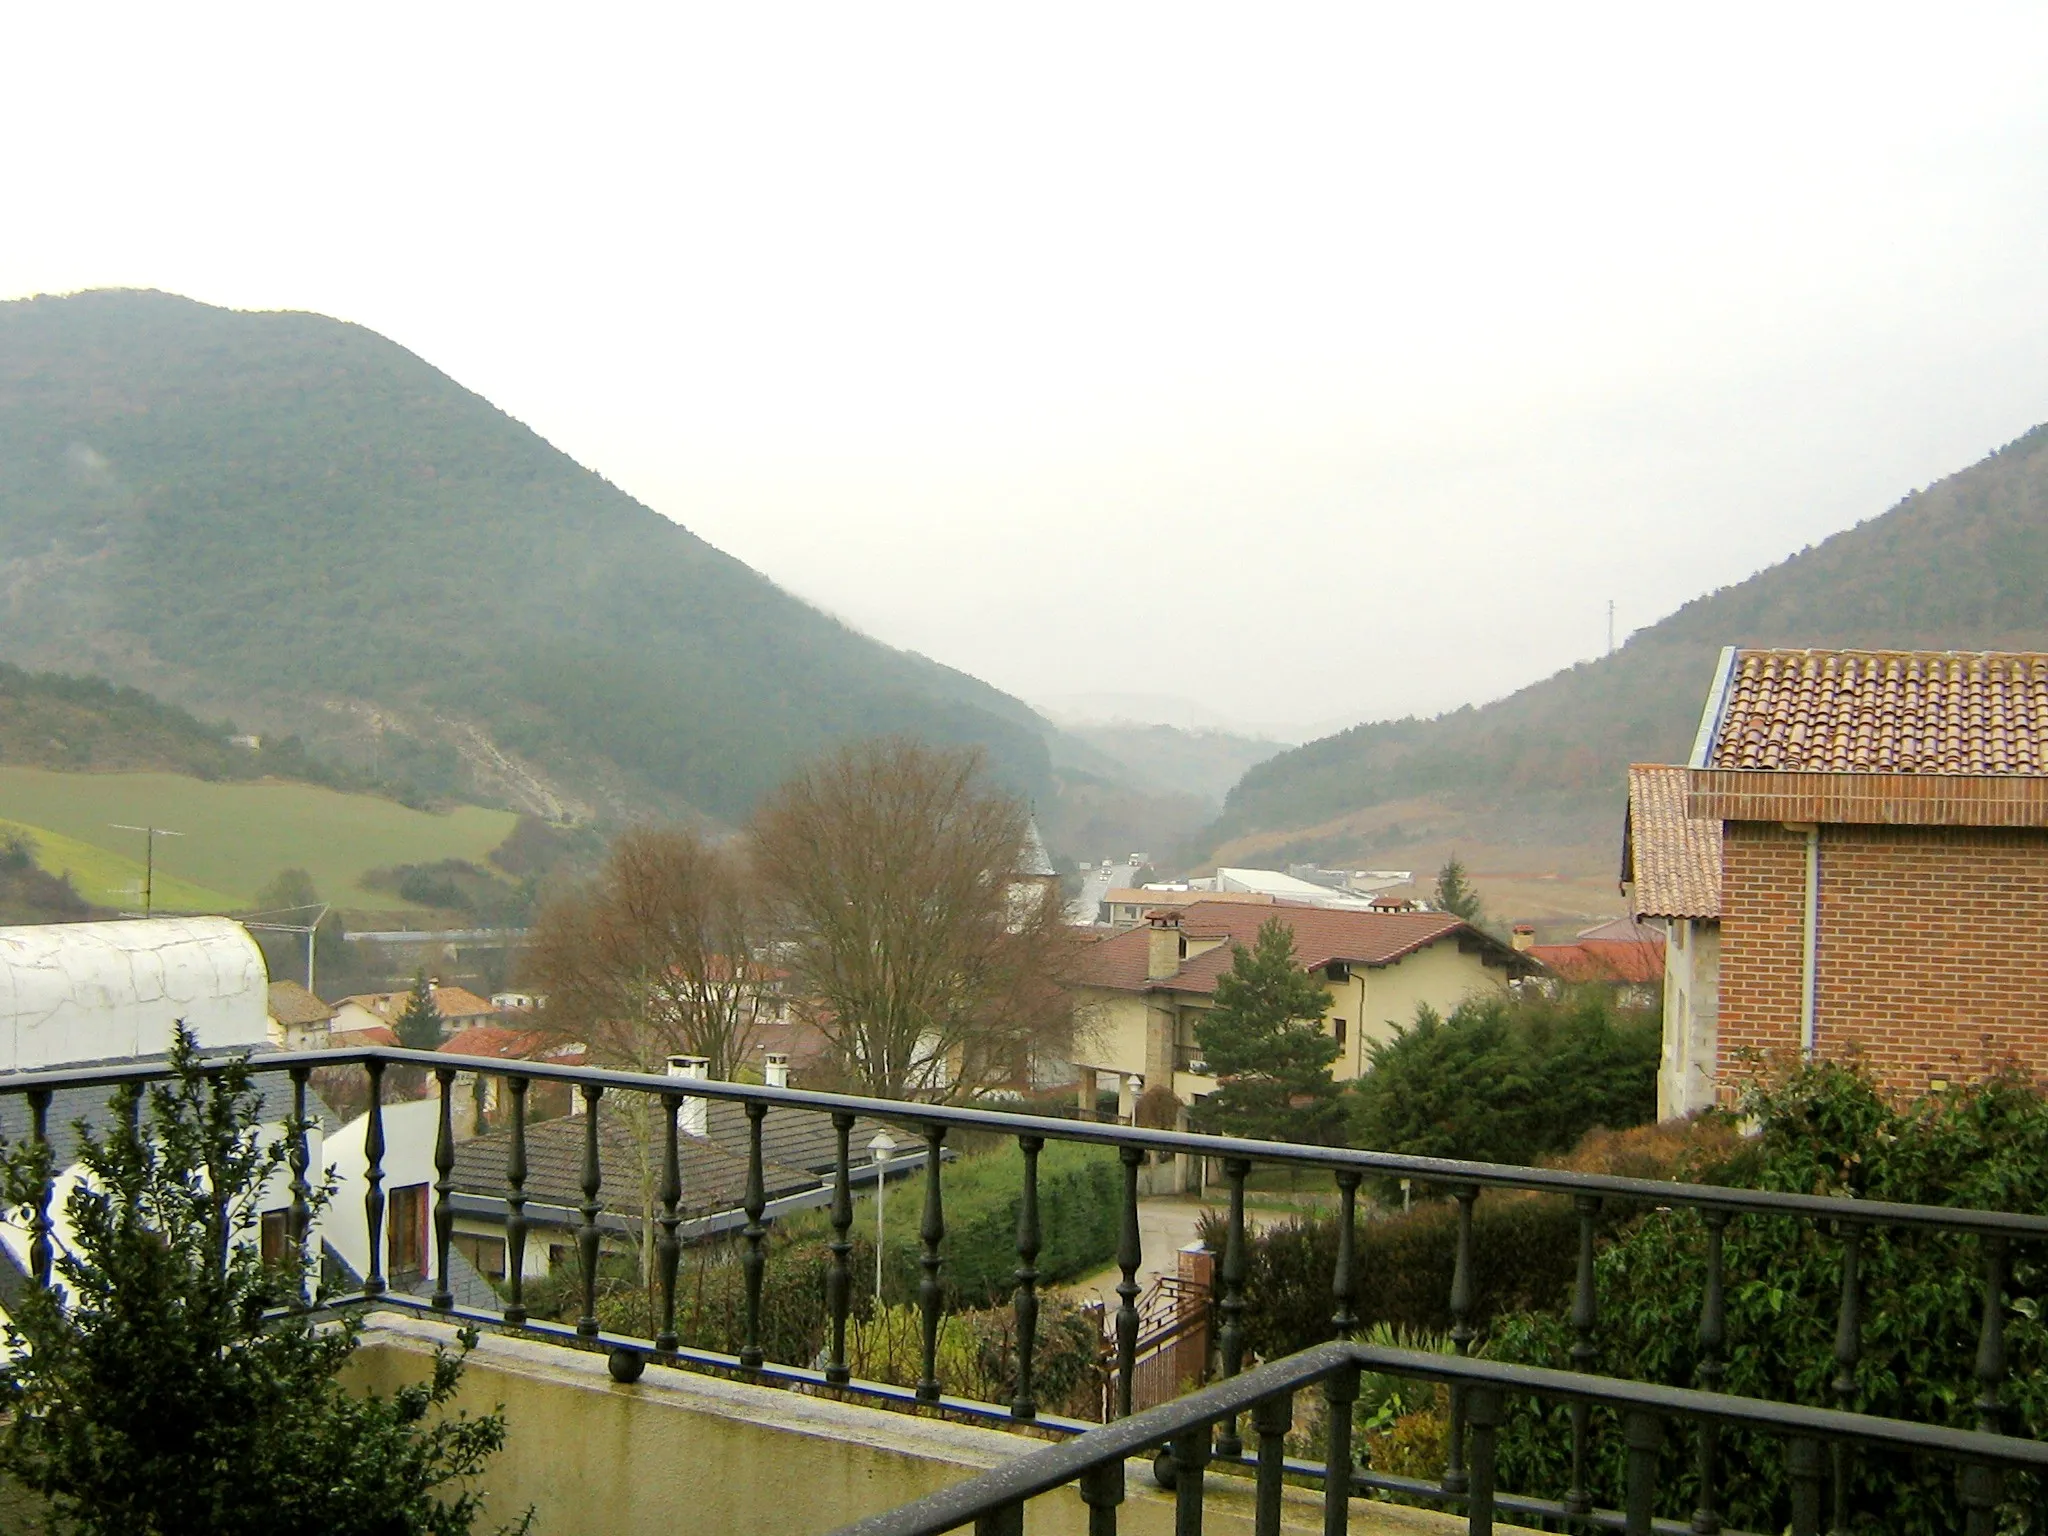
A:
[586,1234]
[1643,1433]
[1272,1417]
[300,1221]
[1344,1286]
[1848,1350]
[444,1188]
[1706,1517]
[515,1207]
[754,1263]
[1578,1499]
[1483,1409]
[1129,1255]
[1983,1486]
[1232,1339]
[1102,1489]
[1462,1333]
[41,1248]
[933,1232]
[1025,1406]
[1190,1457]
[1006,1521]
[839,1278]
[668,1248]
[1803,1465]
[1340,1391]
[373,1177]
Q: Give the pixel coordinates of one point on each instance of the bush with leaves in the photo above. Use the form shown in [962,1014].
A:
[1824,1129]
[155,1391]
[1509,1079]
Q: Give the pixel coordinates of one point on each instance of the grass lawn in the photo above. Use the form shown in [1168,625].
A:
[236,836]
[109,879]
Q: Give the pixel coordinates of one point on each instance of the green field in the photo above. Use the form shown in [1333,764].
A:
[236,836]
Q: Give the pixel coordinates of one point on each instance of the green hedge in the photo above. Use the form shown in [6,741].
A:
[1080,1190]
[1524,1255]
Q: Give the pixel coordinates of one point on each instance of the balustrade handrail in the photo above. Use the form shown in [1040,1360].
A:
[1470,1381]
[1444,1171]
[993,1496]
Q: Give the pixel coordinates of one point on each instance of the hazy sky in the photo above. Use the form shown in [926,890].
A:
[1310,363]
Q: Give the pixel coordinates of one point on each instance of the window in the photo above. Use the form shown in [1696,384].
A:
[1339,1028]
[276,1236]
[406,1242]
[485,1253]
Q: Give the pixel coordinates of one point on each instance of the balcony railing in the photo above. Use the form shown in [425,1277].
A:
[1474,1385]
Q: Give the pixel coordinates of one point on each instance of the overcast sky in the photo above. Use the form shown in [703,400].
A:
[1306,363]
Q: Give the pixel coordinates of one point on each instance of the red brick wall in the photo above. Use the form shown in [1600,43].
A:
[1933,952]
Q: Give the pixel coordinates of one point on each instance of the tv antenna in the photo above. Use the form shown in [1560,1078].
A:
[310,929]
[150,835]
[1610,626]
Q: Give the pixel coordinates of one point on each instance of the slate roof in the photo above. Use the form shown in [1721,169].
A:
[713,1179]
[794,1138]
[1672,860]
[1321,935]
[1922,712]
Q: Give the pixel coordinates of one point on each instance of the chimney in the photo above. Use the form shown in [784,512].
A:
[1525,935]
[776,1072]
[1164,945]
[696,1116]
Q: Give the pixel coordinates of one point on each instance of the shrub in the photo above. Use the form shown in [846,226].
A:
[1509,1080]
[148,1393]
[1824,1129]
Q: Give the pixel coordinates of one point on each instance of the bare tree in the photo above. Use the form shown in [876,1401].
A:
[932,968]
[663,954]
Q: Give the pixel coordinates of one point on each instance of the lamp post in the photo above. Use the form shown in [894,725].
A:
[879,1149]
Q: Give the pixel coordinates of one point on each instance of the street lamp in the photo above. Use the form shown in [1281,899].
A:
[879,1149]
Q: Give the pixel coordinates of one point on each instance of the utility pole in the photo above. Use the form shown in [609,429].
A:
[1610,626]
[150,835]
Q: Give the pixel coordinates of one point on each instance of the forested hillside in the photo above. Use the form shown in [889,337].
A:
[1963,564]
[297,523]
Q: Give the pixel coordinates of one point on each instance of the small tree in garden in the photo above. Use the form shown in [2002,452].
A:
[419,1027]
[1264,1042]
[154,1391]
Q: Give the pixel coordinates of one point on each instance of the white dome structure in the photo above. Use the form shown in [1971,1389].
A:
[73,992]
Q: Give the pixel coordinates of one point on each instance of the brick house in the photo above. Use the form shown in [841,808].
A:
[1884,860]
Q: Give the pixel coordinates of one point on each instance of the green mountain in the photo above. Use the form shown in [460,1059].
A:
[296,522]
[1960,565]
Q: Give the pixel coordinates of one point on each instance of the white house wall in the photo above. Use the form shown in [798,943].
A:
[410,1130]
[1692,1009]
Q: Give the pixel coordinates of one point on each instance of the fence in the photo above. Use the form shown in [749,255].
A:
[930,1125]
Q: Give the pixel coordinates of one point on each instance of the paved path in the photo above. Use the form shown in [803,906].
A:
[1166,1224]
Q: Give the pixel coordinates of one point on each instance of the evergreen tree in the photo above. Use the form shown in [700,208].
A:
[155,1390]
[1265,1043]
[1454,894]
[419,1027]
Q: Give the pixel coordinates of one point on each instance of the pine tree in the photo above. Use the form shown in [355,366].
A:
[1264,1041]
[419,1027]
[1454,894]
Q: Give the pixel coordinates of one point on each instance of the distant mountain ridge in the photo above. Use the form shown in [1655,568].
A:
[1960,565]
[291,520]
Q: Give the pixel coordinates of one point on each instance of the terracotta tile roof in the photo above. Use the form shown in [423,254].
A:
[509,1044]
[291,1004]
[1614,960]
[1672,860]
[1321,935]
[452,1003]
[355,1039]
[1947,712]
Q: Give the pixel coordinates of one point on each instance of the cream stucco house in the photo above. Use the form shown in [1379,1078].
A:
[1140,992]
